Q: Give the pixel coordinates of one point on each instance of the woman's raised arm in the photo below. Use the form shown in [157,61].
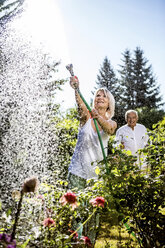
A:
[82,109]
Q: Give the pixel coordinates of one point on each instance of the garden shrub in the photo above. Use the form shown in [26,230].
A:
[135,197]
[138,195]
[47,217]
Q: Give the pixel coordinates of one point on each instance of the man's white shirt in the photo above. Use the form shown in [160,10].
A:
[132,139]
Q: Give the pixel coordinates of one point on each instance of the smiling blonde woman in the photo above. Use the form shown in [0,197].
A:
[88,150]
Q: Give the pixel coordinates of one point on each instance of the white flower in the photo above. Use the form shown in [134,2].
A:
[7,218]
[36,232]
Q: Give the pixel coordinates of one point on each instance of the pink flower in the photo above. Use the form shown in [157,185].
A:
[49,222]
[87,241]
[98,201]
[70,198]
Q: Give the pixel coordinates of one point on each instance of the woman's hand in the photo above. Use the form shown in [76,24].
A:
[108,126]
[74,82]
[94,113]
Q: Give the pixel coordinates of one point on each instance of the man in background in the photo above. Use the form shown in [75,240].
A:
[132,136]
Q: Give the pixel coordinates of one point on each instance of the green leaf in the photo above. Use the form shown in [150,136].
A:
[97,170]
[128,153]
[8,212]
[25,243]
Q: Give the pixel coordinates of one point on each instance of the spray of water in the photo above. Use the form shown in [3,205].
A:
[27,142]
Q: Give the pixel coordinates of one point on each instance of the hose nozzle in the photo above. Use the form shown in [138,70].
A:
[69,67]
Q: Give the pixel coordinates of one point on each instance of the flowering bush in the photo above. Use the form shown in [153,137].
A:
[47,217]
[50,213]
[135,195]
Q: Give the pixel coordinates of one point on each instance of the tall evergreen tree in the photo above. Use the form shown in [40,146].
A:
[107,79]
[136,88]
[126,81]
[138,83]
[147,92]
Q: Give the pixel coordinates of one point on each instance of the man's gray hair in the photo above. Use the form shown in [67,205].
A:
[130,111]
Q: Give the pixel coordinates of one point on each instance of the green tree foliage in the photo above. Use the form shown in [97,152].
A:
[150,116]
[146,89]
[53,84]
[107,79]
[139,85]
[72,114]
[9,9]
[127,82]
[66,130]
[138,82]
[136,88]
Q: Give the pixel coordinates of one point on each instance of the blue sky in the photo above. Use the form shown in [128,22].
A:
[98,28]
[83,32]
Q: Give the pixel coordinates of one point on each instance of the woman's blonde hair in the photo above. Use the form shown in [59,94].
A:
[111,107]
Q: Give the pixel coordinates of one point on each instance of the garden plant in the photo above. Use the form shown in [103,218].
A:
[44,216]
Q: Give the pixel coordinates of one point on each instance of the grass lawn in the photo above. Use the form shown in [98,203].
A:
[115,238]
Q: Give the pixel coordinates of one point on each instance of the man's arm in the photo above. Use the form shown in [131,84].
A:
[119,139]
[146,138]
